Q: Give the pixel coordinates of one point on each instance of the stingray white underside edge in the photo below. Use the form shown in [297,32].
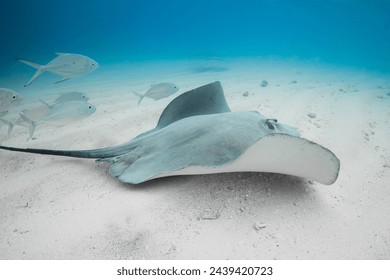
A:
[277,153]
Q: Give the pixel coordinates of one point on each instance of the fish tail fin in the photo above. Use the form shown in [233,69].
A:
[140,96]
[40,70]
[30,122]
[30,63]
[139,100]
[44,103]
[10,125]
[10,128]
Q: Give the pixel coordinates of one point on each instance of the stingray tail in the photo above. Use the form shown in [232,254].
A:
[78,154]
[109,152]
[140,96]
[31,123]
[40,70]
[10,125]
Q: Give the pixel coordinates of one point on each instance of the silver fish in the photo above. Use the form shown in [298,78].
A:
[8,98]
[71,96]
[33,112]
[158,91]
[36,111]
[61,114]
[66,65]
[13,119]
[68,96]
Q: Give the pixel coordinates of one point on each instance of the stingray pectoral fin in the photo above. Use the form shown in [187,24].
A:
[286,154]
[278,153]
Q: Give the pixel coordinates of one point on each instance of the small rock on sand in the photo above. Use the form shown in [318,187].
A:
[245,94]
[264,83]
[312,115]
[259,226]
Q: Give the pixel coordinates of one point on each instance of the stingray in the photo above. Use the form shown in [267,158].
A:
[197,133]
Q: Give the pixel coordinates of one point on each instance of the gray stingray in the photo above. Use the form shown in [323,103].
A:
[198,134]
[66,65]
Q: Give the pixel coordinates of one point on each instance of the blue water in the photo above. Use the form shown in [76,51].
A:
[342,32]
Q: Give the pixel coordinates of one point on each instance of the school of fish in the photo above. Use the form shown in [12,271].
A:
[68,107]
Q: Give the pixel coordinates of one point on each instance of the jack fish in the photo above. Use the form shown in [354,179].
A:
[66,65]
[158,91]
[71,96]
[68,96]
[8,98]
[61,114]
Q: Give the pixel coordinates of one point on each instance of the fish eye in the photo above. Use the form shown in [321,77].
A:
[13,96]
[90,107]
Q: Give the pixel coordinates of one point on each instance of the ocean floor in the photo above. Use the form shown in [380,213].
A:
[66,208]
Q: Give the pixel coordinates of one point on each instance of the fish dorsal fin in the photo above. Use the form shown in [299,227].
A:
[204,100]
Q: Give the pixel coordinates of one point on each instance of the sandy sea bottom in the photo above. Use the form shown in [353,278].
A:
[64,208]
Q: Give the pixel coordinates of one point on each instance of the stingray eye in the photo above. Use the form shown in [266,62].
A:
[270,123]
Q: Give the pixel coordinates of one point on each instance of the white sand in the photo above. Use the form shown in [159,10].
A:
[64,208]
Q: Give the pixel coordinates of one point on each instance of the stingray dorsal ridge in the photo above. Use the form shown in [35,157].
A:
[204,100]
